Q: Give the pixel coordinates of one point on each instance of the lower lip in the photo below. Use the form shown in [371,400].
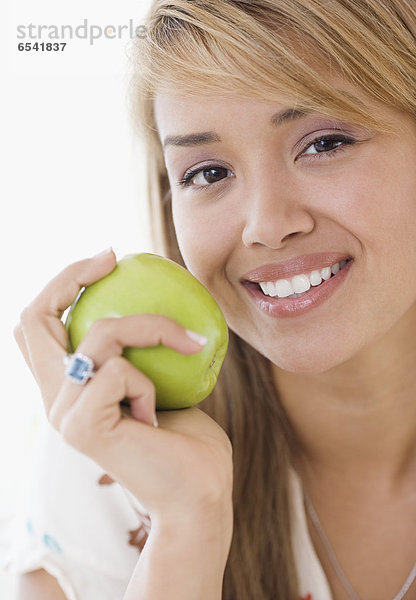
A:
[294,307]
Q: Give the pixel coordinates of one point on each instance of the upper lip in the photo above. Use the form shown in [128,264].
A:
[294,266]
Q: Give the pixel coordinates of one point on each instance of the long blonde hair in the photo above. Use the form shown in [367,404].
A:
[274,50]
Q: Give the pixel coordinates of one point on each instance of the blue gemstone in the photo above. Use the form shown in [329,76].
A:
[79,369]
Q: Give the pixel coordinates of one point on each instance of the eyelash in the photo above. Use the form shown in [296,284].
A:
[186,181]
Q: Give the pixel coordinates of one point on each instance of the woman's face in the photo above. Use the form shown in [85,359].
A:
[258,185]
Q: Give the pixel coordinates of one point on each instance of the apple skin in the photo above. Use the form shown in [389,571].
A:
[149,283]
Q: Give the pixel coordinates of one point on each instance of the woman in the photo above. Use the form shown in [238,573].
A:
[281,140]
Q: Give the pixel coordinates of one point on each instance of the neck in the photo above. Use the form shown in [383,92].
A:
[355,424]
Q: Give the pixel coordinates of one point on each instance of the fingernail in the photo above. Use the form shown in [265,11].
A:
[155,421]
[106,251]
[197,337]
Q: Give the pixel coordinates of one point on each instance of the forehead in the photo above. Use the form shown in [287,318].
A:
[192,122]
[176,105]
[172,104]
[181,113]
[177,111]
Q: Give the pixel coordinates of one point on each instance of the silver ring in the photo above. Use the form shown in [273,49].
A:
[79,368]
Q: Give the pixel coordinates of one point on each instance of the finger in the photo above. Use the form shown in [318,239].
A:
[42,341]
[21,342]
[63,289]
[41,335]
[108,337]
[96,411]
[40,323]
[119,379]
[52,361]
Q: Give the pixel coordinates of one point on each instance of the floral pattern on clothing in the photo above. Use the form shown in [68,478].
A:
[137,537]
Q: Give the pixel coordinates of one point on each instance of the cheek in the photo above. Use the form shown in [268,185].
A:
[376,204]
[205,238]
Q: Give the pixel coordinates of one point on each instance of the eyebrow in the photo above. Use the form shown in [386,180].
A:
[208,137]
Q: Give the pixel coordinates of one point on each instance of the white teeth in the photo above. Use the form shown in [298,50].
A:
[315,278]
[271,288]
[300,284]
[335,268]
[326,273]
[284,288]
[263,286]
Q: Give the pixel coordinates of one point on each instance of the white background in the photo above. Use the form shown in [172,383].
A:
[73,175]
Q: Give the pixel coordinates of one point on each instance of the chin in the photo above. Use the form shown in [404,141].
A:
[309,357]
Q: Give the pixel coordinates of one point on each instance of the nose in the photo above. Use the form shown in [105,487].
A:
[274,213]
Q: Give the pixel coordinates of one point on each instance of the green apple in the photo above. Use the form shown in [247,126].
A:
[149,283]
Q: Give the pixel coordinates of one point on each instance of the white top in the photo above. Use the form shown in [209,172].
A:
[87,531]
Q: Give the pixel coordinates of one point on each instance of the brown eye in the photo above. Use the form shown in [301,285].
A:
[327,144]
[205,176]
[211,175]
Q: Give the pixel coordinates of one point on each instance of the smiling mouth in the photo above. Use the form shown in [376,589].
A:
[299,285]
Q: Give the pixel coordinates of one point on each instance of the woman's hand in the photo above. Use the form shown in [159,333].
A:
[181,468]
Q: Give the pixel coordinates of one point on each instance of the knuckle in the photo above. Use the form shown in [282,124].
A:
[71,275]
[80,428]
[73,434]
[26,316]
[53,418]
[157,327]
[29,315]
[77,426]
[54,415]
[116,366]
[18,333]
[72,270]
[149,386]
[102,328]
[164,321]
[119,369]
